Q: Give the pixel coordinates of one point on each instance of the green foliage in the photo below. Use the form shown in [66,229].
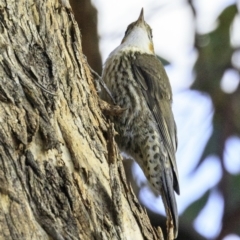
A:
[215,54]
[214,58]
[194,209]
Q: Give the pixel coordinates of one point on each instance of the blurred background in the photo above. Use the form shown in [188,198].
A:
[199,44]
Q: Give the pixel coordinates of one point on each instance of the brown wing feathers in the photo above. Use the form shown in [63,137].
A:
[156,89]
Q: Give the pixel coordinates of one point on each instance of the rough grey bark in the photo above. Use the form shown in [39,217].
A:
[61,176]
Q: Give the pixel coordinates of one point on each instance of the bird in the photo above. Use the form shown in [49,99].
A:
[146,129]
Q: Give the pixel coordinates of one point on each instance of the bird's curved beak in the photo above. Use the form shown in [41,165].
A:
[141,17]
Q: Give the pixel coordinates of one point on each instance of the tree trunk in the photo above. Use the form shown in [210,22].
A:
[61,175]
[86,16]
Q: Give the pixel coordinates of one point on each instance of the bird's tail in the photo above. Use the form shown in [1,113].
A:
[169,201]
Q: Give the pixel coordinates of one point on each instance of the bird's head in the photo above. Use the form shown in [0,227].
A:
[139,35]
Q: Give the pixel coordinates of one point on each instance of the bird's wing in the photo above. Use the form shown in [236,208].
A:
[151,75]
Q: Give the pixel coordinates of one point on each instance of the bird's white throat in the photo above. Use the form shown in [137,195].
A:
[137,40]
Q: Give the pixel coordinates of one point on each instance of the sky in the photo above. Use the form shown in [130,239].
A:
[173,36]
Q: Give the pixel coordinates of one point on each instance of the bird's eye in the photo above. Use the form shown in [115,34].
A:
[150,33]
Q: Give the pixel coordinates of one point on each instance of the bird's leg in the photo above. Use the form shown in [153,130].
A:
[109,109]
